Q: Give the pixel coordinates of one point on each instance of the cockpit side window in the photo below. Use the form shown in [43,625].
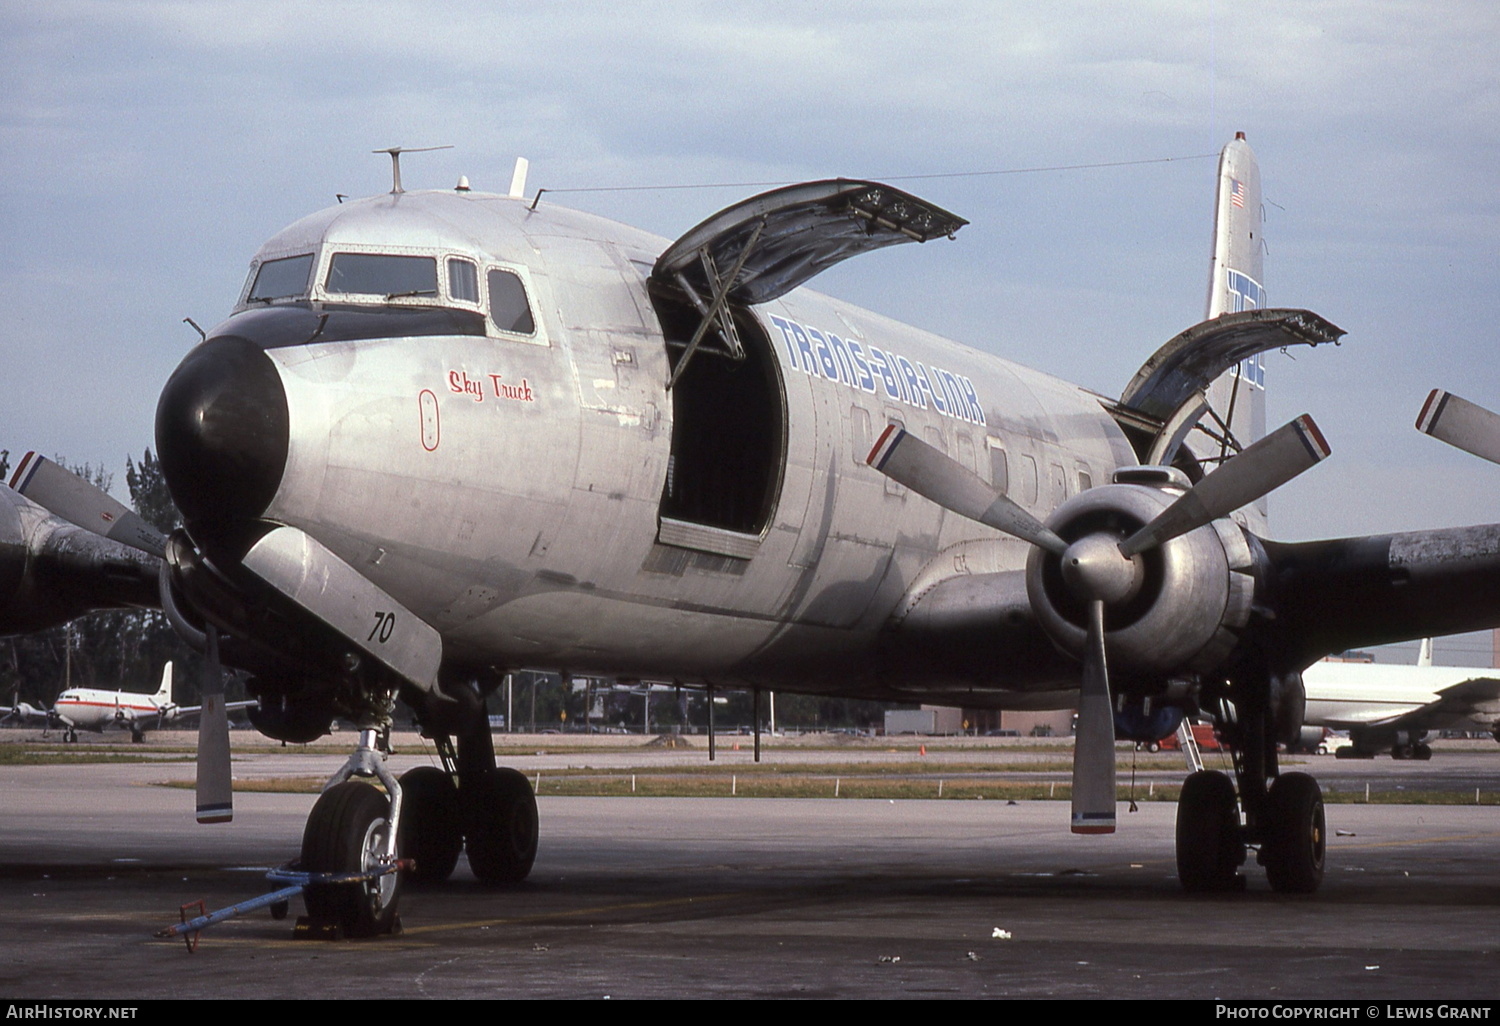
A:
[508,307]
[278,279]
[379,274]
[463,280]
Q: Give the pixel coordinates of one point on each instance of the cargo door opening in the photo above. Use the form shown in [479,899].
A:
[727,426]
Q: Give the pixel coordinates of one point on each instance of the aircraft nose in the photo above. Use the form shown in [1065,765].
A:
[222,432]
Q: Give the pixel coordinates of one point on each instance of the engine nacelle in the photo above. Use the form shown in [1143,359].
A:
[1194,594]
[52,571]
[1308,739]
[284,718]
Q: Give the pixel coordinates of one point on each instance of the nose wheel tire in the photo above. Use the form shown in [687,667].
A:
[431,832]
[346,833]
[1209,849]
[1296,835]
[500,812]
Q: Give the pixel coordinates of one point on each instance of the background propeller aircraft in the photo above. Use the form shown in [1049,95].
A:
[98,709]
[444,434]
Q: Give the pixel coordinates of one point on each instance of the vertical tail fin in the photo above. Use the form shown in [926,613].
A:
[1235,274]
[164,692]
[1235,283]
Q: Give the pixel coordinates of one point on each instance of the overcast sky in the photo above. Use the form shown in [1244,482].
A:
[146,149]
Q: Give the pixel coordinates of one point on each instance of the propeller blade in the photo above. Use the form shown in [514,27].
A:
[1257,471]
[75,500]
[312,576]
[1462,424]
[215,784]
[909,461]
[1094,744]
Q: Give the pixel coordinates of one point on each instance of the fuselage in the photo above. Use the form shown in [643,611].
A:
[522,479]
[96,709]
[1353,695]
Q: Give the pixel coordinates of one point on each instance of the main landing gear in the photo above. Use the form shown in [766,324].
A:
[1283,816]
[470,804]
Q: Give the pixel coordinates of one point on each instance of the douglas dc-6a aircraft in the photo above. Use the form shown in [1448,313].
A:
[444,434]
[97,709]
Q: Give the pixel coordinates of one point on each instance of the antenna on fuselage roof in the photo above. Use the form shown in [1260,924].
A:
[395,152]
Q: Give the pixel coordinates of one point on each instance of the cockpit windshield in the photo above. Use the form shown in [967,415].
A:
[382,275]
[278,279]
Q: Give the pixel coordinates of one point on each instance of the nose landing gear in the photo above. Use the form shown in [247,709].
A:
[349,832]
[353,828]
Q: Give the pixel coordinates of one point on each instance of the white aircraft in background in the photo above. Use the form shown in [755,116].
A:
[97,710]
[1392,708]
[445,434]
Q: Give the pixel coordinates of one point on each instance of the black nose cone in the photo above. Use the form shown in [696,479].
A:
[221,432]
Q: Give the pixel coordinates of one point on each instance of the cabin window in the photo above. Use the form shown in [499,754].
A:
[859,434]
[965,446]
[999,469]
[1029,483]
[378,274]
[463,281]
[277,279]
[508,307]
[1059,484]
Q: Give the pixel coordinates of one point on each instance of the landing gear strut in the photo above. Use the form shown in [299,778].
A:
[1283,813]
[353,829]
[491,813]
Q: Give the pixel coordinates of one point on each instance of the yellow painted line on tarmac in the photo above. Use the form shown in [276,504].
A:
[1409,842]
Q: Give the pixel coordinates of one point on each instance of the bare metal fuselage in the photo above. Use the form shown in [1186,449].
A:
[509,490]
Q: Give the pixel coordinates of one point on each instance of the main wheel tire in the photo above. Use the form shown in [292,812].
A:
[1295,834]
[1422,752]
[346,833]
[1209,849]
[500,810]
[431,831]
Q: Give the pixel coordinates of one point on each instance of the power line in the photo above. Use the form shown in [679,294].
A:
[895,178]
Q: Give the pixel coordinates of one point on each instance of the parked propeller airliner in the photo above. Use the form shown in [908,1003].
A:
[98,709]
[445,434]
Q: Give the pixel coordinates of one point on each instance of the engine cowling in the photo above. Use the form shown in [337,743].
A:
[1190,598]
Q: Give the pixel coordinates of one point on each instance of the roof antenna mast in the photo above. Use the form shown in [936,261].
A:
[395,152]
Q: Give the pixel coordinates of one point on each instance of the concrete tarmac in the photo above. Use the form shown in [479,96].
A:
[653,897]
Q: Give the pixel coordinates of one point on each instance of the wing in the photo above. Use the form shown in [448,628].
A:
[1475,700]
[194,710]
